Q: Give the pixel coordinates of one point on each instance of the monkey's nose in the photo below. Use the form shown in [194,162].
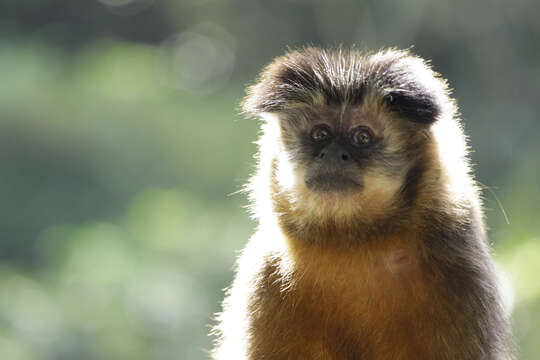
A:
[334,152]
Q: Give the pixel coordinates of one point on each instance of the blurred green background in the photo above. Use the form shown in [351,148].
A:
[120,144]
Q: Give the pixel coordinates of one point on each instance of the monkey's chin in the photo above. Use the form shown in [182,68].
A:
[333,184]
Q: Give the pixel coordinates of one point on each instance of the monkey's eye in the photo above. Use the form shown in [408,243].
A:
[361,137]
[320,133]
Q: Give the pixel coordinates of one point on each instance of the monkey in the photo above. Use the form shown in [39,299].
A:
[370,241]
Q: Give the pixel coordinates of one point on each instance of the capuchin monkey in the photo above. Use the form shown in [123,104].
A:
[371,242]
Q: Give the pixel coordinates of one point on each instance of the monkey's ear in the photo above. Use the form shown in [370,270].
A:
[412,104]
[265,94]
[253,103]
[293,78]
[416,92]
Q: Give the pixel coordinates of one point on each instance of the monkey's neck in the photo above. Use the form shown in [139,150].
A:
[402,216]
[323,226]
[343,233]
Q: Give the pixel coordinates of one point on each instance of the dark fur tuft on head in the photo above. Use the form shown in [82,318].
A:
[403,82]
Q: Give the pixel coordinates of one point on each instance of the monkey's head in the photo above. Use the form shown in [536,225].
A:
[347,136]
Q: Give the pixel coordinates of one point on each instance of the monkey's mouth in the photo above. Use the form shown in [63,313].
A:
[332,182]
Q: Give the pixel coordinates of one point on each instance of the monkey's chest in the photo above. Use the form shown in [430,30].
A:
[345,308]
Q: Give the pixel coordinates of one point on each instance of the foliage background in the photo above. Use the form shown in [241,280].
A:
[120,142]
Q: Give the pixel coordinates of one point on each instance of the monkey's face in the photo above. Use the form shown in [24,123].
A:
[344,156]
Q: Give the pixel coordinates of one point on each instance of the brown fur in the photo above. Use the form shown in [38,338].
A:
[398,269]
